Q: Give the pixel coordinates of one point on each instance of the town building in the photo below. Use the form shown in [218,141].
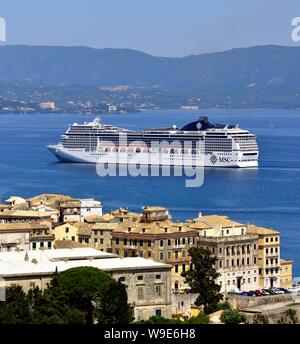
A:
[41,237]
[29,216]
[236,251]
[286,273]
[25,236]
[148,283]
[268,256]
[15,200]
[77,210]
[101,237]
[156,237]
[47,106]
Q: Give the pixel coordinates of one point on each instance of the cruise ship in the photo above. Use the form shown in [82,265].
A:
[197,143]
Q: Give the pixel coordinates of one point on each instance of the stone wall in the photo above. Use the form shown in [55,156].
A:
[242,302]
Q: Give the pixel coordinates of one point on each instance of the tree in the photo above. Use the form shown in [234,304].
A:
[232,316]
[112,306]
[81,295]
[15,309]
[201,278]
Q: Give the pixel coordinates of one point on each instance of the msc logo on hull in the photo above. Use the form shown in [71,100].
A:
[214,159]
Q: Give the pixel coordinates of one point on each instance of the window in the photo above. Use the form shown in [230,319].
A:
[267,250]
[125,241]
[141,242]
[276,238]
[183,241]
[183,253]
[49,244]
[161,255]
[34,245]
[254,279]
[42,244]
[73,238]
[140,278]
[158,312]
[220,263]
[149,243]
[227,232]
[232,262]
[169,254]
[101,241]
[161,243]
[67,229]
[169,242]
[272,239]
[125,253]
[220,250]
[158,290]
[248,261]
[249,280]
[140,293]
[176,254]
[122,279]
[141,254]
[176,267]
[32,285]
[183,267]
[117,241]
[267,239]
[157,276]
[191,266]
[149,254]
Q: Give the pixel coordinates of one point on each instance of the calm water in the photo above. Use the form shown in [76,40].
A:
[268,196]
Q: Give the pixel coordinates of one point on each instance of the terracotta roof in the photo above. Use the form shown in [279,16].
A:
[284,262]
[98,218]
[105,226]
[58,244]
[153,208]
[22,226]
[83,228]
[261,230]
[221,220]
[156,227]
[24,214]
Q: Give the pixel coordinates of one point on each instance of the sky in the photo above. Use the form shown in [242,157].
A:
[158,27]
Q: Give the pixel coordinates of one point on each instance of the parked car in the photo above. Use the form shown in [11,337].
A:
[284,290]
[267,291]
[277,291]
[259,293]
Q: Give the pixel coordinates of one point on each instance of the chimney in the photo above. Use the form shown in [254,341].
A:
[26,258]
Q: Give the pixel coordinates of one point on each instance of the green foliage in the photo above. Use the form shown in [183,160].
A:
[288,317]
[201,279]
[75,296]
[232,316]
[260,319]
[217,307]
[15,310]
[200,319]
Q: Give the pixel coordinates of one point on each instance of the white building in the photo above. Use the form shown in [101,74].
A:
[148,283]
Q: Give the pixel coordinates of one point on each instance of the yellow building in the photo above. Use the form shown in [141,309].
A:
[286,273]
[268,256]
[66,231]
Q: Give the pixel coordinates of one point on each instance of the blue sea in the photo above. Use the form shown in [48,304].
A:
[268,196]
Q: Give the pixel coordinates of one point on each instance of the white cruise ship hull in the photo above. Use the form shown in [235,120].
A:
[234,159]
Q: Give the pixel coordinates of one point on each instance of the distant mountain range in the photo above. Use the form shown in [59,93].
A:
[262,76]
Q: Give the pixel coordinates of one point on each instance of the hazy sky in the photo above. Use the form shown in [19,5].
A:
[158,27]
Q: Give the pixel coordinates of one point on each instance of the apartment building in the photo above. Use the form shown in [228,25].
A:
[236,251]
[156,237]
[268,256]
